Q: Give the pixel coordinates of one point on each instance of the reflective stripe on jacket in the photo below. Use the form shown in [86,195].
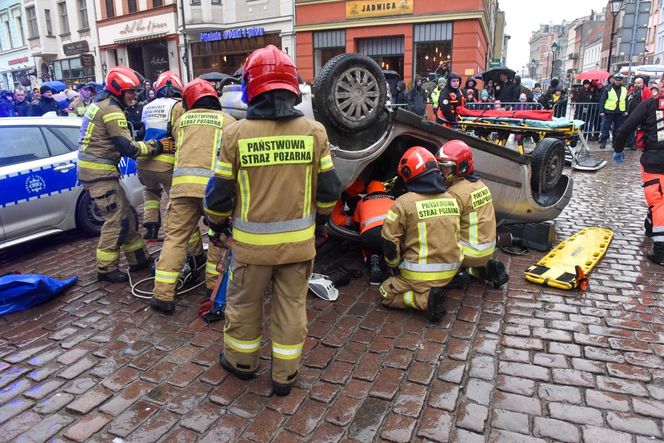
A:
[478,217]
[371,210]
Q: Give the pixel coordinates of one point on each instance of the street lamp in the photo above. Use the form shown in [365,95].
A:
[615,6]
[533,68]
[554,50]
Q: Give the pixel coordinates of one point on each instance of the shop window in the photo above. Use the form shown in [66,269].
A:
[432,59]
[83,14]
[386,51]
[49,24]
[64,19]
[327,45]
[33,31]
[110,8]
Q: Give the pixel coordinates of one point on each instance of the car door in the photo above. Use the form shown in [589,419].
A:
[39,179]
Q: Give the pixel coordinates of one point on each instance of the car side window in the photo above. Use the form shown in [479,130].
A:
[21,144]
[69,134]
[55,144]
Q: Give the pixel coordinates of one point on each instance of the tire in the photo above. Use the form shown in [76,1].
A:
[88,217]
[350,93]
[547,164]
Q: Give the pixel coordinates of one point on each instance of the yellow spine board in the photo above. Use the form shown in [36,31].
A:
[585,249]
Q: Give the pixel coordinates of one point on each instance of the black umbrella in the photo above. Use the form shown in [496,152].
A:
[494,74]
[215,76]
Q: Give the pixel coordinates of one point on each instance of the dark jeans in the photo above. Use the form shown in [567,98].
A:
[372,241]
[612,122]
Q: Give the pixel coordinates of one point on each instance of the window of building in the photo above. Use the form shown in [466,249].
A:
[328,44]
[64,20]
[110,8]
[131,6]
[216,2]
[83,14]
[68,69]
[8,32]
[195,2]
[386,51]
[49,24]
[432,49]
[32,22]
[156,3]
[19,30]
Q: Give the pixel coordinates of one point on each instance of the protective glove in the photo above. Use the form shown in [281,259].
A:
[167,145]
[215,238]
[618,157]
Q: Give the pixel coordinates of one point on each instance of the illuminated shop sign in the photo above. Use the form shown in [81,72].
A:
[231,34]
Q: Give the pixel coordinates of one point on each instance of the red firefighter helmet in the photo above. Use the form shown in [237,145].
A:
[197,89]
[375,186]
[121,78]
[415,162]
[268,69]
[458,155]
[168,79]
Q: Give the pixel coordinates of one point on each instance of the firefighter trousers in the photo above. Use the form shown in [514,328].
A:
[244,316]
[401,293]
[154,183]
[182,217]
[653,188]
[119,229]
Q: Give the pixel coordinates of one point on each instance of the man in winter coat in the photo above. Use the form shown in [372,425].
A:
[435,93]
[46,103]
[6,105]
[613,107]
[276,178]
[198,135]
[648,115]
[105,139]
[417,98]
[450,99]
[21,104]
[421,233]
[401,97]
[505,90]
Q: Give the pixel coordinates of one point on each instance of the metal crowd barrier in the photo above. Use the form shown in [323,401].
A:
[589,113]
[506,106]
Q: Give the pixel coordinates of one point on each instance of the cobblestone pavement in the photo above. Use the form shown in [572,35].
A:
[521,364]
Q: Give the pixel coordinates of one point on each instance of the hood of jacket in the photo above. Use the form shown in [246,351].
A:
[431,182]
[274,105]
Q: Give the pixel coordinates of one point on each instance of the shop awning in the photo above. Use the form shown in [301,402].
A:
[140,38]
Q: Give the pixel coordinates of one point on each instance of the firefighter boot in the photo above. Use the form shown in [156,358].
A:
[657,255]
[167,307]
[112,277]
[242,375]
[376,274]
[152,231]
[496,273]
[281,390]
[460,281]
[435,309]
[143,263]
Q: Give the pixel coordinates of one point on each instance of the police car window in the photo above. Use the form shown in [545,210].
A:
[21,144]
[55,144]
[69,134]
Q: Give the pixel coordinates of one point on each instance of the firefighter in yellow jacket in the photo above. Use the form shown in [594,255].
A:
[421,234]
[274,175]
[478,216]
[198,135]
[105,139]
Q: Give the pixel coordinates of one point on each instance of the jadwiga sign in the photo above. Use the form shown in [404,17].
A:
[377,8]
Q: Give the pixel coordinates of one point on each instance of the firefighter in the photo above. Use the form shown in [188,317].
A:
[478,217]
[156,173]
[198,134]
[649,114]
[421,233]
[275,177]
[104,140]
[369,215]
[450,99]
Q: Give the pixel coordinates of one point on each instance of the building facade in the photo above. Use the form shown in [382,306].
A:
[541,54]
[141,34]
[415,38]
[62,38]
[222,34]
[17,67]
[592,51]
[658,56]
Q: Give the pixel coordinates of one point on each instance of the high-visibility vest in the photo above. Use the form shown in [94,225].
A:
[612,100]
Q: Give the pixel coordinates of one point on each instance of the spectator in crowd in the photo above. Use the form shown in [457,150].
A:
[46,103]
[655,90]
[401,97]
[134,113]
[613,107]
[470,96]
[582,98]
[143,96]
[506,90]
[6,104]
[523,103]
[537,93]
[471,84]
[417,98]
[435,92]
[637,94]
[150,95]
[36,95]
[21,105]
[491,89]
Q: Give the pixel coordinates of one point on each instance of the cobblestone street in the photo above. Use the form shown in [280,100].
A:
[524,363]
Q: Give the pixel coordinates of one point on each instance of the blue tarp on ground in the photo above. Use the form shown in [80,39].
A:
[19,292]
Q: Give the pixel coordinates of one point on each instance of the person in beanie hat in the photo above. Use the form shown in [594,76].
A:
[46,103]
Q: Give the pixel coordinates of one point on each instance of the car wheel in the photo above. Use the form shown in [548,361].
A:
[89,218]
[350,92]
[547,164]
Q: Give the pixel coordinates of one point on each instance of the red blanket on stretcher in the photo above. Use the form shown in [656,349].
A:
[543,115]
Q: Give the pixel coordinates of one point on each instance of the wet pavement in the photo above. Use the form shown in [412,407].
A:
[519,364]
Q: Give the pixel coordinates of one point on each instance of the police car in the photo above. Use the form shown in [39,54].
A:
[40,193]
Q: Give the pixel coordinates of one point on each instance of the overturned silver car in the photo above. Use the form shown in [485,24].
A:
[368,136]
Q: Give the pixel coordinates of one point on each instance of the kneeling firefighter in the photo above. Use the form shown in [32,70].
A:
[478,216]
[369,215]
[274,175]
[649,114]
[105,139]
[198,135]
[421,233]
